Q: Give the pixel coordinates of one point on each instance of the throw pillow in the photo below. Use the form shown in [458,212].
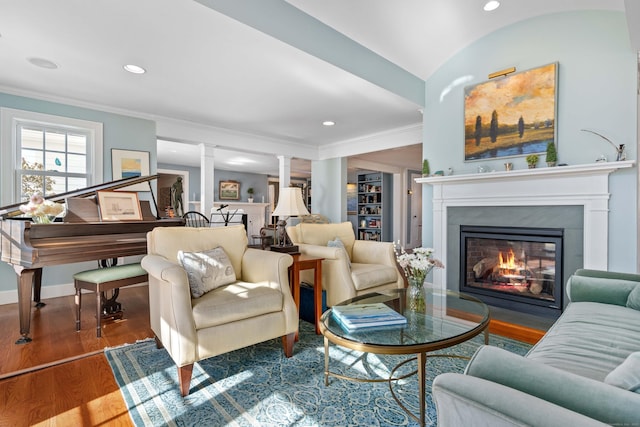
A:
[337,243]
[627,375]
[633,300]
[207,270]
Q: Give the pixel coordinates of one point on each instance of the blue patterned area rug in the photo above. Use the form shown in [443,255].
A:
[258,386]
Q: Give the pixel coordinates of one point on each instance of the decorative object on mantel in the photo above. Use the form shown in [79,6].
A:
[532,160]
[415,266]
[513,115]
[250,193]
[508,166]
[425,168]
[621,153]
[552,154]
[42,211]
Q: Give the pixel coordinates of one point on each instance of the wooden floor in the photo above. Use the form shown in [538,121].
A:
[81,392]
[62,378]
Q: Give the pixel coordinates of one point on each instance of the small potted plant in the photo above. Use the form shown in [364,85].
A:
[532,160]
[250,193]
[552,154]
[425,168]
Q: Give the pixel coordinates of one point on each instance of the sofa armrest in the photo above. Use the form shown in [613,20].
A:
[464,400]
[602,287]
[594,399]
[372,252]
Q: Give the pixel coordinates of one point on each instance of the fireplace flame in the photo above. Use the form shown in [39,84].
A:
[510,262]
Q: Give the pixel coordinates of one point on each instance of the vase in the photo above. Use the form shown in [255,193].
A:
[416,301]
[42,219]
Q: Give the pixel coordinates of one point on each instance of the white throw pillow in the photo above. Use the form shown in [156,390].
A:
[207,270]
[627,374]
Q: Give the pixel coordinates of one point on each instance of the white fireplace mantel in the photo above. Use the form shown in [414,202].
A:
[581,185]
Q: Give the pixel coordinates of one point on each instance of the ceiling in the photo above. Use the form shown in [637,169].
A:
[273,70]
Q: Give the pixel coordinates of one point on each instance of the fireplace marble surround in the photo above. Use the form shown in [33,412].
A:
[580,185]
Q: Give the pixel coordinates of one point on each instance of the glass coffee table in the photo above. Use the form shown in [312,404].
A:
[446,319]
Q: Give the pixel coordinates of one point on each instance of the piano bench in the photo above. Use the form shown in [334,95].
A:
[104,279]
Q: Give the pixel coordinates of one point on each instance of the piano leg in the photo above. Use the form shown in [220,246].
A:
[37,286]
[26,281]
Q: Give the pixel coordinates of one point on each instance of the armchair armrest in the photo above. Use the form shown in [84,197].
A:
[170,309]
[266,266]
[603,287]
[371,252]
[325,252]
[594,399]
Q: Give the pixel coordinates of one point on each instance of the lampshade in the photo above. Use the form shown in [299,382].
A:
[290,203]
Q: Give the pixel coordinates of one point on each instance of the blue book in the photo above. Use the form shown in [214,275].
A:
[355,316]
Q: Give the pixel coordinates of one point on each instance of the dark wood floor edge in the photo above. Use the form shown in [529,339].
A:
[49,365]
[516,332]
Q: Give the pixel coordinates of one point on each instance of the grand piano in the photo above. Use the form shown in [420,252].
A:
[28,246]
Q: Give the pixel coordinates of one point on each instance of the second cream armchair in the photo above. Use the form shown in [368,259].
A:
[361,267]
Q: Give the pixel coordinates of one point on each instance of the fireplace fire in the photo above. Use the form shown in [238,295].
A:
[515,268]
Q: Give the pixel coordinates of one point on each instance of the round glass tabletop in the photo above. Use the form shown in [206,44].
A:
[444,319]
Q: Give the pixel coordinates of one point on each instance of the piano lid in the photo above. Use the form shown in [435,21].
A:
[13,210]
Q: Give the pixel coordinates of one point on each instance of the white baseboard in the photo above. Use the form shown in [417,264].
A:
[53,291]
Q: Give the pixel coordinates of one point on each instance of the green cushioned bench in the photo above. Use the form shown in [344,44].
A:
[104,279]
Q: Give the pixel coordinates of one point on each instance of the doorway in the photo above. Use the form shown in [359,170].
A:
[167,179]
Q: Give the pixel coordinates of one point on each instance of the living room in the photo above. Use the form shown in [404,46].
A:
[596,50]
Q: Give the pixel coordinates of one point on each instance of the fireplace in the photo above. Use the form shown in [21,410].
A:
[518,268]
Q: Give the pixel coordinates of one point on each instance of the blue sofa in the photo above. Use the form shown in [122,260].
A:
[585,371]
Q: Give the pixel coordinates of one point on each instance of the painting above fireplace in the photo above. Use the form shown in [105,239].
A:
[518,268]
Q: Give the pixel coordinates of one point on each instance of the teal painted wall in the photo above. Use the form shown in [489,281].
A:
[119,131]
[597,82]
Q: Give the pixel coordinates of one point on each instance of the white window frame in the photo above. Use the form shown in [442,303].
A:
[10,119]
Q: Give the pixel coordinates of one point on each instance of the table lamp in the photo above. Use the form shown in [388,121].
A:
[289,204]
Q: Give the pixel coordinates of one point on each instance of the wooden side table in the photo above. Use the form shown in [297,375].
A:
[307,262]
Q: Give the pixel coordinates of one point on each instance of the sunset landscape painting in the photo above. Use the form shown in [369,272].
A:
[511,116]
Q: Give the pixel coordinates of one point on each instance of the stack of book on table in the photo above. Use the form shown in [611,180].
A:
[357,316]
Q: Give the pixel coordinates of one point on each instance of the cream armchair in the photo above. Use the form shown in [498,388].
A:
[361,267]
[257,307]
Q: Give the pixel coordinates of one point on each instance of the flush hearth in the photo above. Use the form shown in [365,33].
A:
[518,268]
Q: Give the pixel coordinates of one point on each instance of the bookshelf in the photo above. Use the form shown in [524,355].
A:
[374,206]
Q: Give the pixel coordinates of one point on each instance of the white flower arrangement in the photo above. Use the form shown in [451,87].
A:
[418,263]
[39,208]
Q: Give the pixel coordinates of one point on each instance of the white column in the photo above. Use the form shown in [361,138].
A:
[284,171]
[207,182]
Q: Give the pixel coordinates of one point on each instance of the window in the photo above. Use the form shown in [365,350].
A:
[49,154]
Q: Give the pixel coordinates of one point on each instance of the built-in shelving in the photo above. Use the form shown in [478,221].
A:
[374,206]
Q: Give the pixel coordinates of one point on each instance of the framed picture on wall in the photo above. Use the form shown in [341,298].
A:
[129,164]
[229,190]
[511,116]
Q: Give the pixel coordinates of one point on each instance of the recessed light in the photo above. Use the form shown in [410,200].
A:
[43,63]
[491,5]
[135,69]
[328,123]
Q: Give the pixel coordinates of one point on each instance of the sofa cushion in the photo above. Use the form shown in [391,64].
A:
[633,300]
[234,302]
[590,339]
[366,276]
[627,375]
[207,270]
